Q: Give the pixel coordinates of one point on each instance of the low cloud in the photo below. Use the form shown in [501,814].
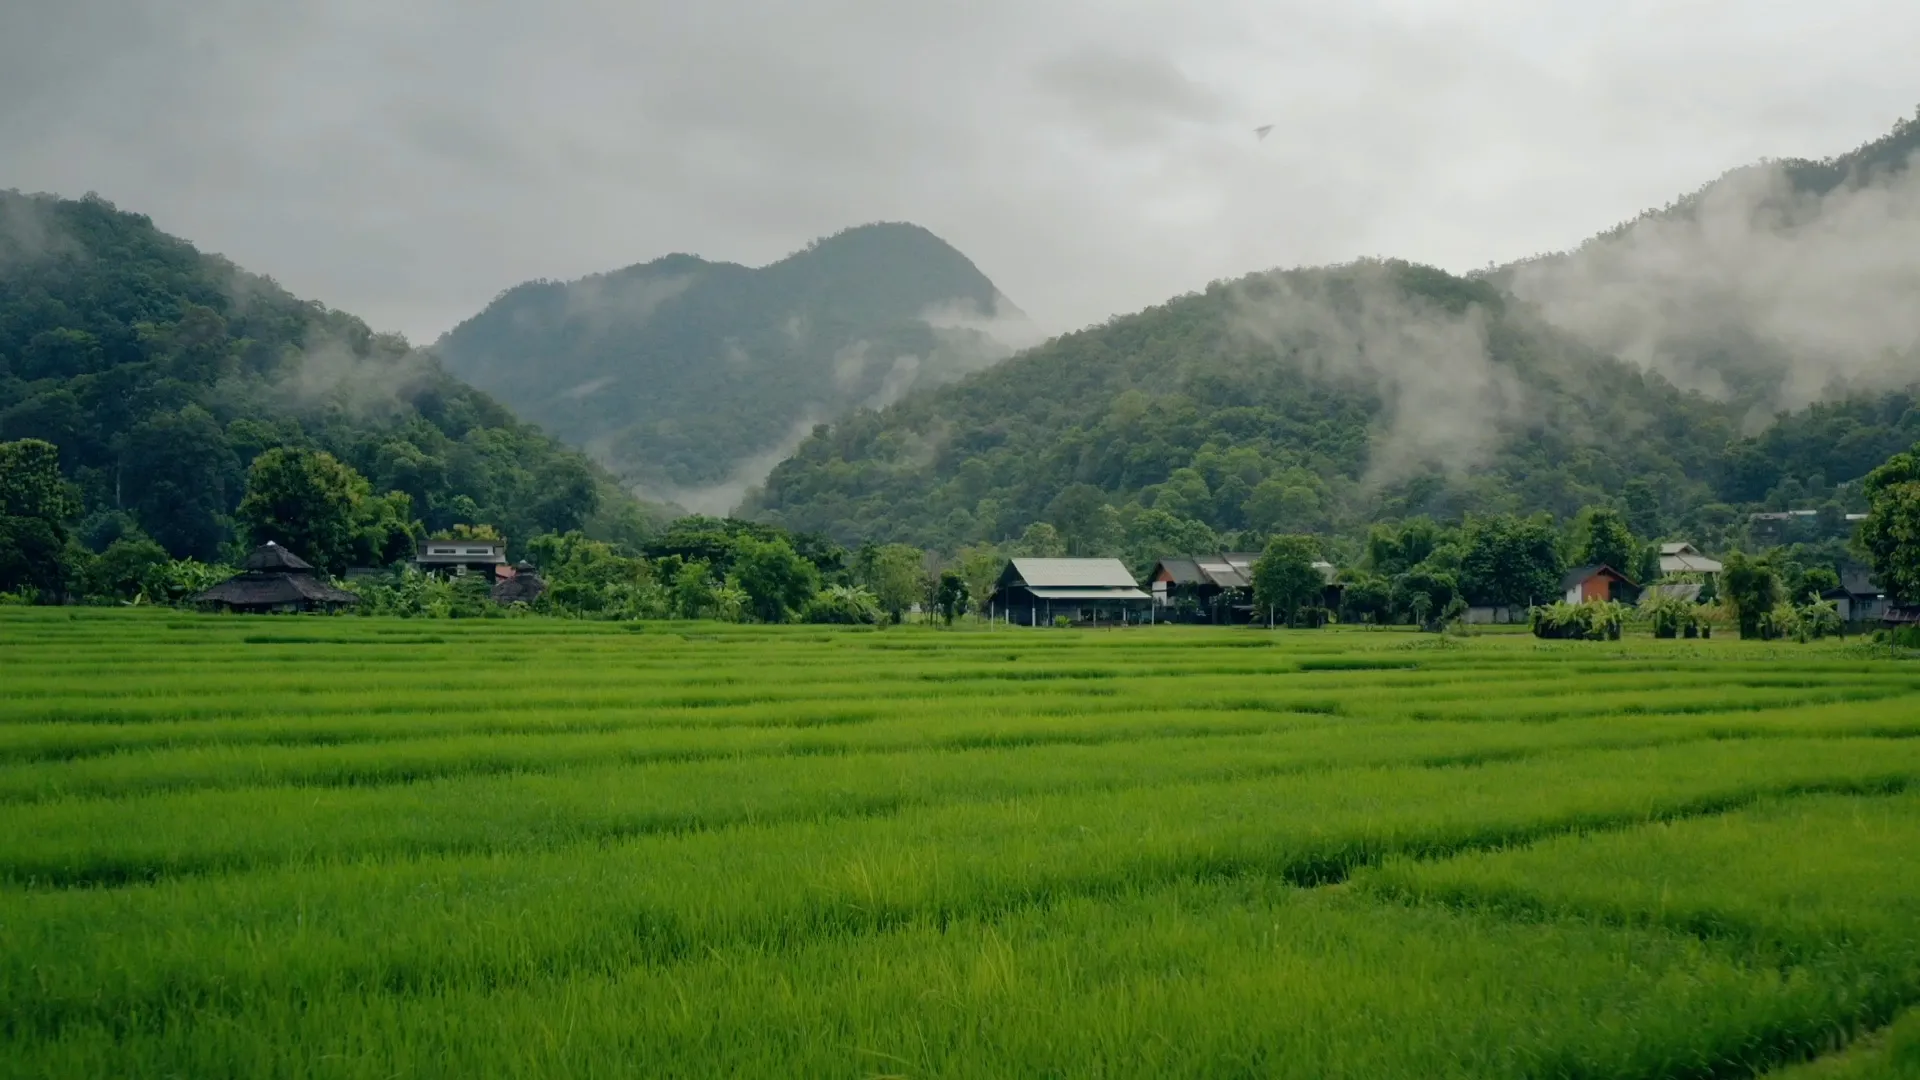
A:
[330,373]
[1753,290]
[748,474]
[29,231]
[1444,402]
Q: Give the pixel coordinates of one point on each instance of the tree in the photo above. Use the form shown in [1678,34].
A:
[567,495]
[692,590]
[1603,539]
[307,502]
[1890,537]
[1509,561]
[1811,584]
[896,574]
[1642,504]
[776,580]
[1284,577]
[950,597]
[845,605]
[384,531]
[123,570]
[1752,589]
[1392,552]
[1087,525]
[1154,534]
[177,472]
[35,506]
[1367,598]
[1424,590]
[1277,503]
[981,567]
[1040,541]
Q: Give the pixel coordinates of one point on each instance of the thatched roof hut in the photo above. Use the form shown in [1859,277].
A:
[273,579]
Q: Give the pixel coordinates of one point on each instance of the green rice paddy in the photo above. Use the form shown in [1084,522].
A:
[253,847]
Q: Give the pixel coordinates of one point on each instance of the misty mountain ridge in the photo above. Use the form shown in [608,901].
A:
[691,378]
[1776,285]
[1669,350]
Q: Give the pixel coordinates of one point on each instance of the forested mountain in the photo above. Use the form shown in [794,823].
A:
[1753,345]
[1310,400]
[1776,285]
[161,372]
[682,373]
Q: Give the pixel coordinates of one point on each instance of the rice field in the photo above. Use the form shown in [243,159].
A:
[279,847]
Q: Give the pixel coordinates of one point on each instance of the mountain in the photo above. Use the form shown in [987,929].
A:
[691,378]
[1752,344]
[160,372]
[1778,284]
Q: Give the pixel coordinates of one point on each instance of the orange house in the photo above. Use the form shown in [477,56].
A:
[1589,583]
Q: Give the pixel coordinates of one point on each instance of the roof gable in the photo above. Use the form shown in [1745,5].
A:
[1581,574]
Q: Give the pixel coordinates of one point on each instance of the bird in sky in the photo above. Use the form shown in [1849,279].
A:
[1262,130]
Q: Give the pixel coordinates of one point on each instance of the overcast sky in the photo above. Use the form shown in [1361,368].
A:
[407,161]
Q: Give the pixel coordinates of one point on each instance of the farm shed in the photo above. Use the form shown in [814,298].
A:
[1035,591]
[1859,598]
[1684,558]
[470,556]
[1586,584]
[273,579]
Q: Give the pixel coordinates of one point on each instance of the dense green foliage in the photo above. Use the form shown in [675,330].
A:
[343,847]
[1890,537]
[1285,578]
[161,373]
[678,369]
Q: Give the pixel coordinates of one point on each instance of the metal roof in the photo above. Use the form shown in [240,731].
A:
[1074,573]
[1691,562]
[1091,594]
[1223,574]
[1182,571]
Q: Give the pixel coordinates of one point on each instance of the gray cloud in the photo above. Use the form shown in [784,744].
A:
[407,162]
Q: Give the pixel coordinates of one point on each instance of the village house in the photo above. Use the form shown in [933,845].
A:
[465,556]
[1033,592]
[1588,584]
[273,580]
[1859,598]
[1218,588]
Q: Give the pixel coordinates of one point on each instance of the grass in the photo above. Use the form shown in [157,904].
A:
[341,847]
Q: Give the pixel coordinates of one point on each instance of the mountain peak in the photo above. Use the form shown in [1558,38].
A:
[681,372]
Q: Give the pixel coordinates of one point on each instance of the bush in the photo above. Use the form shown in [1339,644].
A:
[843,605]
[1597,621]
